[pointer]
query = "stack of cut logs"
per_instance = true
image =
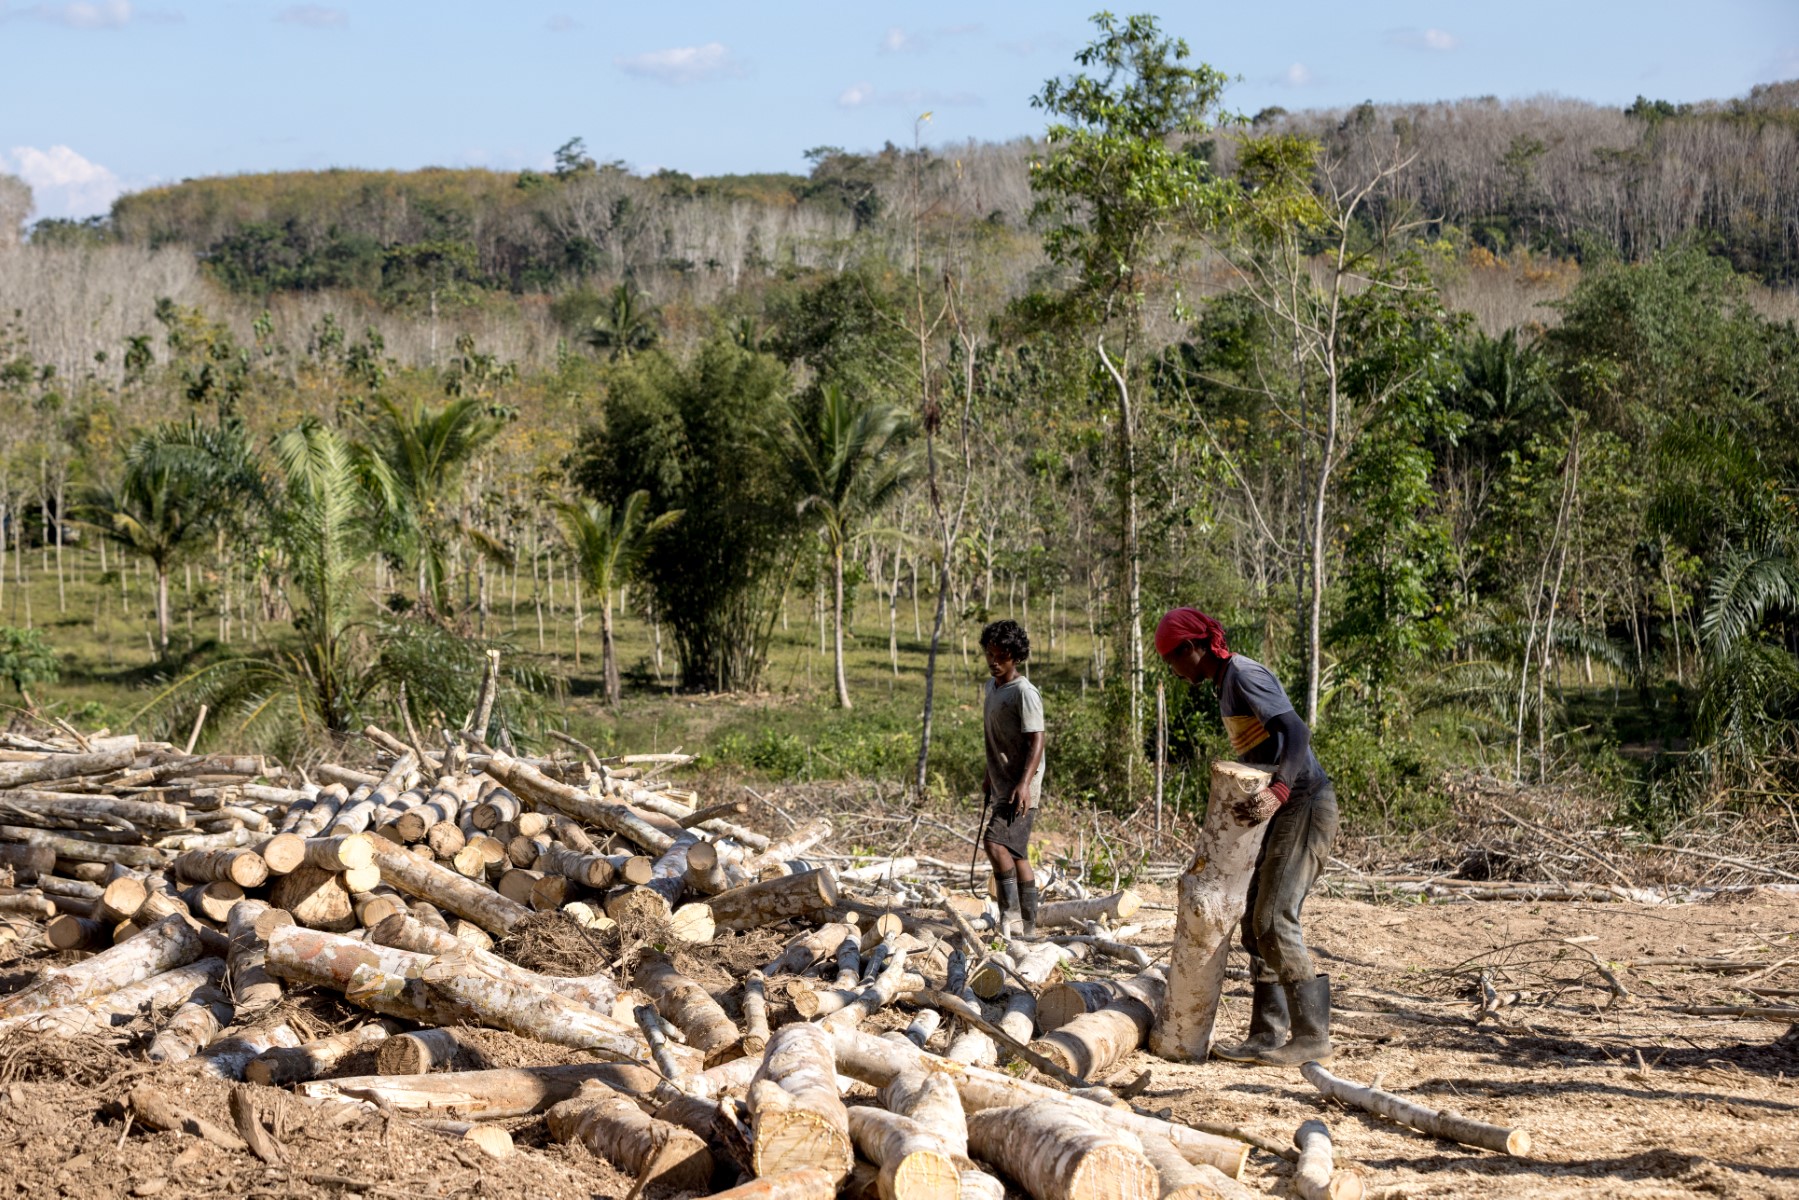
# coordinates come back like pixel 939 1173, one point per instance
pixel 205 887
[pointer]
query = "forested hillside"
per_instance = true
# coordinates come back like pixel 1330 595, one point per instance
pixel 1473 419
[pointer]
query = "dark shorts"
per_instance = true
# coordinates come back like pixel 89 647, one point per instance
pixel 1009 829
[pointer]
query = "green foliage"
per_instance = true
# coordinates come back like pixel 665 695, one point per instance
pixel 26 658
pixel 624 324
pixel 695 437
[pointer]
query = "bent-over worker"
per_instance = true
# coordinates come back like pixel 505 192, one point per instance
pixel 1289 1019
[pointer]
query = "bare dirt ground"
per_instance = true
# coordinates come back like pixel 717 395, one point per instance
pixel 1629 1099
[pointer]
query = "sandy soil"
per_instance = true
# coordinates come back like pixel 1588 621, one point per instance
pixel 1626 1099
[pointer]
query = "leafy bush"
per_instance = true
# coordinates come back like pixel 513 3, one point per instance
pixel 26 658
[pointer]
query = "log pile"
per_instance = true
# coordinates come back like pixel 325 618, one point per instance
pixel 201 891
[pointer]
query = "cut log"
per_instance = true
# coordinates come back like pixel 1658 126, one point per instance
pixel 650 831
pixel 810 948
pixel 212 901
pixel 245 868
pixel 65 766
pixel 248 926
pixel 874 1060
pixel 1056 1154
pixel 123 1007
pixel 1060 1003
pixel 1119 906
pixel 282 1065
pixel 656 897
pixel 171 942
pixel 757 904
pixel 1093 1043
pixel 796 1119
pixel 342 852
pixel 400 931
pixel 1437 1123
pixel 420 1051
pixel 195 1024
pixel 1034 966
pixel 655 1154
pixel 80 850
pixel 227 1057
pixel 973 1048
pixel 447 890
pixel 705 873
pixel 27 862
pixel 915 1164
pixel 65 932
pixel 929 1098
pixel 1211 895
pixel 378 978
pixel 532 1011
pixel 143 814
pixel 1314 1176
pixel 803 1183
pixel 755 1014
pixel 1020 1018
pixel 690 1008
pixel 1178 1179
pixel 316 898
pixel 924 1024
pixel 590 870
pixel 790 847
pixel 482 1095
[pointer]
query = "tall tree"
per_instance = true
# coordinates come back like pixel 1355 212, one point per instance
pixel 626 325
pixel 847 458
pixel 1122 173
pixel 181 482
pixel 426 451
pixel 608 547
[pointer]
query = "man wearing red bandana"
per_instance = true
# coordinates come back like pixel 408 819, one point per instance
pixel 1289 1020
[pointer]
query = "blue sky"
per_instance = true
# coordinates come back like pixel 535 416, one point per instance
pixel 102 95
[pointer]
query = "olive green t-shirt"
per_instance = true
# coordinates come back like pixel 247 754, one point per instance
pixel 1010 713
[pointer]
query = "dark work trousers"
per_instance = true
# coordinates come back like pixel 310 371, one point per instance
pixel 1295 847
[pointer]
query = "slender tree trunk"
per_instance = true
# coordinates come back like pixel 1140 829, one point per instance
pixel 609 653
pixel 843 687
pixel 162 608
pixel 62 602
pixel 578 619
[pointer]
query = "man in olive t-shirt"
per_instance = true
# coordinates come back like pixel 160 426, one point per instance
pixel 1012 722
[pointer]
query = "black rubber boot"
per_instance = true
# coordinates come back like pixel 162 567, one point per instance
pixel 1027 907
pixel 1008 904
pixel 1310 1003
pixel 1268 1025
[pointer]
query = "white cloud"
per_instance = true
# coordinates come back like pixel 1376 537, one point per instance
pixel 1439 41
pixel 682 64
pixel 897 41
pixel 78 14
pixel 562 23
pixel 1297 75
pixel 64 183
pixel 313 16
pixel 860 95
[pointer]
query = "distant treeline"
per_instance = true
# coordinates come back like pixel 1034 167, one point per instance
pixel 1549 175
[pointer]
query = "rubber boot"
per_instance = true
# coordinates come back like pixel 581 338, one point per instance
pixel 1008 905
pixel 1027 908
pixel 1268 1025
pixel 1310 1003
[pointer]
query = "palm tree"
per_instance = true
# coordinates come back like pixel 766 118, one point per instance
pixel 425 450
pixel 181 482
pixel 626 325
pixel 848 460
pixel 608 548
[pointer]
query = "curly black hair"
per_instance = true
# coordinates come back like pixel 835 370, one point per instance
pixel 1010 637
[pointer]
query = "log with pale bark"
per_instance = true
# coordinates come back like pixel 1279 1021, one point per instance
pixel 1055 1153
pixel 796 1119
pixel 447 889
pixel 1092 1043
pixel 654 1153
pixel 651 831
pixel 488 1095
pixel 757 904
pixel 803 1183
pixel 1211 894
pixel 1119 906
pixel 281 1065
pixel 875 1060
pixel 171 942
pixel 116 1009
pixel 690 1008
pixel 248 926
pixel 914 1163
pixel 1441 1123
pixel 378 978
pixel 403 932
pixel 1314 1175
pixel 1178 1179
pixel 810 948
pixel 195 1024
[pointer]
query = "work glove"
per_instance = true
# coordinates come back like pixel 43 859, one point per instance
pixel 1253 810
